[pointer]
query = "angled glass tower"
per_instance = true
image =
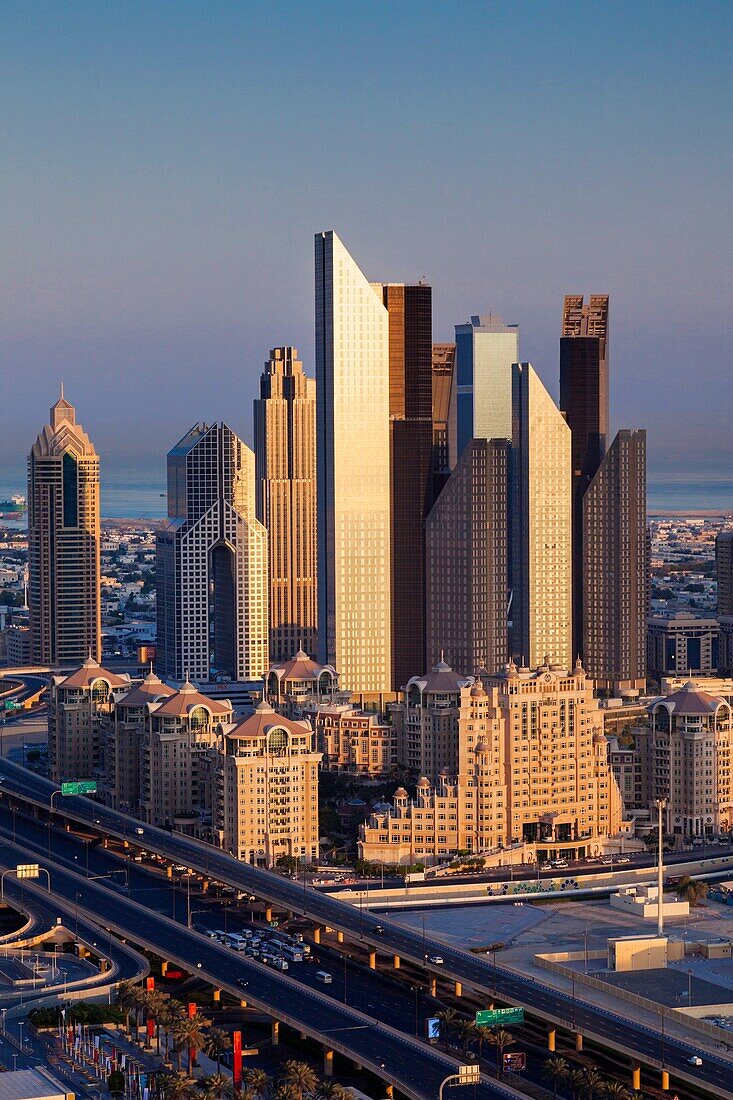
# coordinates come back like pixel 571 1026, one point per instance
pixel 485 351
pixel 353 459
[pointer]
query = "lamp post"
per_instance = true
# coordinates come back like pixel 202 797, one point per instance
pixel 661 804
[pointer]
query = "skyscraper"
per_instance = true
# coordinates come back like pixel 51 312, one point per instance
pixel 724 570
pixel 409 311
pixel 444 413
pixel 584 401
pixel 486 348
pixel 467 584
pixel 353 459
pixel 211 562
pixel 63 542
pixel 541 524
pixel 285 469
pixel 615 566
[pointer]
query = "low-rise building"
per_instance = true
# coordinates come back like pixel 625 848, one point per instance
pixel 353 741
pixel 682 642
pixel 262 787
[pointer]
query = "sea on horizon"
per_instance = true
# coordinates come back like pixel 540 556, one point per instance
pixel 147 500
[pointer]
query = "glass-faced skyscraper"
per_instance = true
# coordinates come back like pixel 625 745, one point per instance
pixel 486 348
pixel 63 542
pixel 584 400
pixel 211 562
pixel 541 524
pixel 353 459
pixel 285 469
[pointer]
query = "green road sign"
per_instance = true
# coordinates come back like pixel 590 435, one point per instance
pixel 492 1016
pixel 82 786
pixel 10 704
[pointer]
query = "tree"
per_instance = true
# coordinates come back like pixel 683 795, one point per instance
pixel 593 1084
pixel 467 1033
pixel 448 1019
pixel 156 1006
pixel 614 1090
pixel 216 1043
pixel 173 1012
pixel 116 1083
pixel 176 1086
pixel 287 863
pixel 483 1035
pixel 692 890
pixel 576 1081
pixel 126 999
pixel 331 1090
pixel 302 1077
pixel 501 1039
pixel 256 1083
pixel 216 1087
pixel 556 1070
pixel 189 1033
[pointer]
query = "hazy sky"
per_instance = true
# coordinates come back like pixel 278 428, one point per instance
pixel 166 165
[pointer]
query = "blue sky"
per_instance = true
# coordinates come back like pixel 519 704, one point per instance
pixel 166 166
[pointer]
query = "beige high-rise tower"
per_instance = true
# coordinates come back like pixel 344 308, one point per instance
pixel 63 542
pixel 352 395
pixel 285 471
pixel 541 524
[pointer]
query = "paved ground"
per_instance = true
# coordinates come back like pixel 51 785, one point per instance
pixel 668 987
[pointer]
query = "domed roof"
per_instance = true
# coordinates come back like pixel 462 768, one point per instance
pixel 262 720
pixel 400 793
pixel 477 691
pixel 480 747
pixel 441 681
pixel 151 688
pixel 188 698
pixel 690 701
pixel 88 673
pixel 300 667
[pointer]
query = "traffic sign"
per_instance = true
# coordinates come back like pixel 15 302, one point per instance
pixel 515 1061
pixel 27 870
pixel 492 1016
pixel 10 704
pixel 469 1073
pixel 81 786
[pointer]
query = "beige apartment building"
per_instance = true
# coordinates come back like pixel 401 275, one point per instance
pixel 427 721
pixel 124 728
pixel 353 741
pixel 261 779
pixel 533 769
pixel 79 705
pixel 292 686
pixel 285 472
pixel 63 542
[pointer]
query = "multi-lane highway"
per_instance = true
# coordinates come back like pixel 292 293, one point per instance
pixel 611 1030
pixel 397 1058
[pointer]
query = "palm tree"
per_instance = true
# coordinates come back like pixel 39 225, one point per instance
pixel 189 1032
pixel 216 1087
pixel 615 1090
pixel 556 1070
pixel 576 1081
pixel 593 1085
pixel 501 1039
pixel 176 1086
pixel 466 1032
pixel 126 999
pixel 483 1035
pixel 302 1077
pixel 156 1005
pixel 448 1019
pixel 331 1090
pixel 173 1012
pixel 216 1042
pixel 256 1083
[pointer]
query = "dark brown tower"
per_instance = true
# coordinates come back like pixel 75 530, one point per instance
pixel 584 401
pixel 411 447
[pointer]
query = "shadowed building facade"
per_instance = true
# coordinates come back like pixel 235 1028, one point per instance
pixel 467 582
pixel 444 414
pixel 616 567
pixel 63 542
pixel 584 397
pixel 354 476
pixel 285 470
pixel 211 562
pixel 409 309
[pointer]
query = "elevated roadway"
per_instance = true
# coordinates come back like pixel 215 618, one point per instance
pixel 642 1045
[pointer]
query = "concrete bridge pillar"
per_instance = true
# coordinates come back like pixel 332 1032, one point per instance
pixel 389 1091
pixel 268 913
pixel 458 989
pixel 242 1003
pixel 551 1038
pixel 169 870
pixel 665 1080
pixel 316 934
pixel 339 937
pixel 396 961
pixel 328 1063
pixel 636 1076
pixel 217 996
pixel 578 1041
pixel 275 1032
pixel 372 960
pixel 433 986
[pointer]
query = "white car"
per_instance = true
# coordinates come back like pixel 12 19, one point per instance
pixel 436 960
pixel 140 832
pixel 694 1060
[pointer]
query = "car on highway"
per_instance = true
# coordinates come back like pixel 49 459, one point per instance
pixel 436 960
pixel 623 859
pixel 379 930
pixel 139 831
pixel 607 860
pixel 694 1060
pixel 324 976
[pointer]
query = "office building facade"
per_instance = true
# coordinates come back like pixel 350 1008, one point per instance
pixel 616 567
pixel 63 543
pixel 354 478
pixel 444 415
pixel 467 578
pixel 541 524
pixel 211 562
pixel 285 471
pixel 486 348
pixel 682 643
pixel 724 570
pixel 409 310
pixel 584 399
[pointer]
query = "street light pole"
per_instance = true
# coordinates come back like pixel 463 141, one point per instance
pixel 661 804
